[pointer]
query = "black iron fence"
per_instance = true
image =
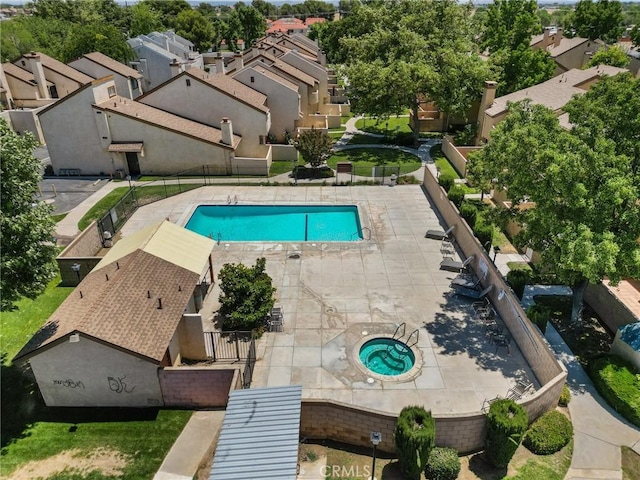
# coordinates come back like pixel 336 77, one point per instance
pixel 228 346
pixel 247 374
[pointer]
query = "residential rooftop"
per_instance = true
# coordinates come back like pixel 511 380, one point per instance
pixel 113 65
pixel 59 67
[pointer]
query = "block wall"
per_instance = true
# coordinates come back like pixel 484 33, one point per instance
pixel 197 387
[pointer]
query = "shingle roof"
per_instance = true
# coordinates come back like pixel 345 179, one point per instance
pixel 59 67
pixel 232 87
pixel 118 312
pixel 19 73
pixel 566 44
pixel 556 92
pixel 113 65
pixel 162 119
pixel 294 72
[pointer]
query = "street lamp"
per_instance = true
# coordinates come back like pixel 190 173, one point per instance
pixel 376 438
pixel 76 268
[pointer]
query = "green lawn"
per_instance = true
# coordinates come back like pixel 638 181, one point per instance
pixel 445 167
pixel 358 139
pixel 30 431
pixel 387 126
pixel 364 159
pixel 144 195
pixel 280 167
pixel 58 217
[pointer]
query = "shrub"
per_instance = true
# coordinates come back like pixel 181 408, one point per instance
pixel 48 170
pixel 518 279
pixel 446 180
pixel 539 315
pixel 246 295
pixel 415 438
pixel 565 396
pixel 506 423
pixel 619 384
pixel 548 434
pixel 469 212
pixel 456 195
pixel 443 464
pixel 484 233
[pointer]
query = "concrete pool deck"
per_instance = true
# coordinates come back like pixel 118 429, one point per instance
pixel 333 292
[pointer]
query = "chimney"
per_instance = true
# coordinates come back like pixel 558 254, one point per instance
pixel 238 61
pixel 488 96
pixel 558 37
pixel 219 61
pixel 545 38
pixel 227 131
pixel 38 72
pixel 175 67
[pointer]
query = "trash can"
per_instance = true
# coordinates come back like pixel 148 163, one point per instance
pixel 393 179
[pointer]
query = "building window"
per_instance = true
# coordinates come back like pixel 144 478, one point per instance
pixel 188 82
pixel 134 84
pixel 253 79
pixel 23 64
pixel 111 91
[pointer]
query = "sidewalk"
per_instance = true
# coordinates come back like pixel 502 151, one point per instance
pixel 599 432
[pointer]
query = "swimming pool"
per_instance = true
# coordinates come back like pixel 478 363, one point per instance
pixel 282 223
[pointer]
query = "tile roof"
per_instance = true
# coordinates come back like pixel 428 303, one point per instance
pixel 19 73
pixel 162 119
pixel 556 92
pixel 64 70
pixel 232 87
pixel 118 312
pixel 113 65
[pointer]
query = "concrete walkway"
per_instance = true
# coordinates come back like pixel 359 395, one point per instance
pixel 599 432
pixel 191 446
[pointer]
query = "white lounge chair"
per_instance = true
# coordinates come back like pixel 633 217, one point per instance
pixel 439 234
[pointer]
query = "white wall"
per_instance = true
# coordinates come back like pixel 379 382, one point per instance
pixel 283 102
pixel 157 68
pixel 316 71
pixel 123 83
pixel 203 103
pixel 72 135
pixel 90 374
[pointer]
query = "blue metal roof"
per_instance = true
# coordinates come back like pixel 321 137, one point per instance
pixel 259 435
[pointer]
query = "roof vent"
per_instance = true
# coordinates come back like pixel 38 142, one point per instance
pixel 74 338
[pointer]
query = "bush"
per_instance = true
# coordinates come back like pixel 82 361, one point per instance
pixel 443 464
pixel 484 233
pixel 246 295
pixel 619 384
pixel 518 279
pixel 565 396
pixel 469 212
pixel 506 423
pixel 539 315
pixel 48 170
pixel 446 180
pixel 415 438
pixel 456 195
pixel 548 434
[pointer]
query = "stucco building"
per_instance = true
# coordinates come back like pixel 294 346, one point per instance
pixel 567 53
pixel 97 65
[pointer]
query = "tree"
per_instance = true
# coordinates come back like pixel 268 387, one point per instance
pixel 96 37
pixel 15 40
pixel 26 228
pixel 253 24
pixel 600 20
pixel 315 146
pixel 584 183
pixel 246 296
pixel 193 26
pixel 232 30
pixel 269 10
pixel 635 35
pixel 143 20
pixel 521 67
pixel 168 9
pixel 612 55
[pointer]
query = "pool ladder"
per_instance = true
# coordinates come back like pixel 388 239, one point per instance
pixel 412 339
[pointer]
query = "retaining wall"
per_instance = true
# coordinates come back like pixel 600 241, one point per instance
pixel 611 310
pixel 82 250
pixel 197 387
pixel 457 155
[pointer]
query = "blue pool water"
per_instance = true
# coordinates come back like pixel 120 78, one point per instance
pixel 387 356
pixel 281 223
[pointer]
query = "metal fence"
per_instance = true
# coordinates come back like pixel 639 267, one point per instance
pixel 228 346
pixel 109 224
pixel 247 375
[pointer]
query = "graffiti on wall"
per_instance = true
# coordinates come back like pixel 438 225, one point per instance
pixel 118 385
pixel 68 383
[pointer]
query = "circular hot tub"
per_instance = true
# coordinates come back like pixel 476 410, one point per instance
pixel 387 356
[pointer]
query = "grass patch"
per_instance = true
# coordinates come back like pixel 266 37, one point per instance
pixel 58 217
pixel 144 195
pixel 281 166
pixel 382 127
pixel 630 464
pixel 619 384
pixel 359 139
pixel 443 165
pixel 364 159
pixel 30 431
pixel 519 266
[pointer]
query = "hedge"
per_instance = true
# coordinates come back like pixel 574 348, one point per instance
pixel 446 180
pixel 619 384
pixel 415 438
pixel 548 434
pixel 456 195
pixel 539 315
pixel 506 423
pixel 443 464
pixel 565 396
pixel 469 212
pixel 518 279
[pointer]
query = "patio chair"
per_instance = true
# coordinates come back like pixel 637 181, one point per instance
pixel 470 293
pixel 452 265
pixel 276 320
pixel 439 234
pixel 521 389
pixel 467 280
